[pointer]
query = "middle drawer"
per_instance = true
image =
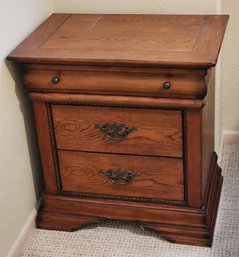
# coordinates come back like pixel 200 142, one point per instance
pixel 118 130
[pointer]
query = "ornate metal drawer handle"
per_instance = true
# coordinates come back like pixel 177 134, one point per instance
pixel 119 177
pixel 115 131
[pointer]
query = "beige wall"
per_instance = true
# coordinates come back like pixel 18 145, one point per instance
pixel 18 156
pixel 136 6
pixel 230 68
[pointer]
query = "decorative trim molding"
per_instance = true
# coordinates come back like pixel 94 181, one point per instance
pixel 25 233
pixel 113 105
pixel 121 198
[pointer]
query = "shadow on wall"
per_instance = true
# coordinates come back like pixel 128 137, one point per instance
pixel 26 108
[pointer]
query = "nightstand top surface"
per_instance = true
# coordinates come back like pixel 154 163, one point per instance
pixel 125 40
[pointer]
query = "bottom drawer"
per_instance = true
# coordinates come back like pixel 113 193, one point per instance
pixel 122 175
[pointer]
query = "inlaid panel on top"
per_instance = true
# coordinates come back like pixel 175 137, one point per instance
pixel 132 40
pixel 125 33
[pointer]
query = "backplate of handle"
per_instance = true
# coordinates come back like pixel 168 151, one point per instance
pixel 115 131
pixel 119 177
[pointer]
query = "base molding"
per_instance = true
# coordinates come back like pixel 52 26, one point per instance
pixel 182 234
pixel 177 224
pixel 187 233
pixel 59 221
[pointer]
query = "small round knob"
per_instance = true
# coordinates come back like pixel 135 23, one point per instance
pixel 166 85
pixel 55 80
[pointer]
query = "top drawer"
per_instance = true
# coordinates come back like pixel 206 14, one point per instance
pixel 140 82
pixel 118 130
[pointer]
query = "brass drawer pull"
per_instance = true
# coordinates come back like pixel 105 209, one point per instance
pixel 119 177
pixel 115 131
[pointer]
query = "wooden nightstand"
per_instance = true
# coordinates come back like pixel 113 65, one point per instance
pixel 124 108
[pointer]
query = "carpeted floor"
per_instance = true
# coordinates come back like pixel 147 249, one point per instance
pixel 126 239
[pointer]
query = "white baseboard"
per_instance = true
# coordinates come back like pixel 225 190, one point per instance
pixel 25 233
pixel 228 138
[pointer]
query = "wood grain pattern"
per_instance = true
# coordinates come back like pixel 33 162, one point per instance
pixel 44 139
pixel 208 129
pixel 117 101
pixel 184 225
pixel 158 178
pixel 194 157
pixel 61 222
pixel 125 33
pixel 128 40
pixel 111 69
pixel 156 132
pixel 122 81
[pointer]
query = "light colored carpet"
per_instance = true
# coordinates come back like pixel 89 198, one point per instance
pixel 126 239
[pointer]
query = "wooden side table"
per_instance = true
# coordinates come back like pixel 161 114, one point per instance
pixel 124 109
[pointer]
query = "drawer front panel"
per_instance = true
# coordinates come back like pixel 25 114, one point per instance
pixel 118 130
pixel 183 84
pixel 122 175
